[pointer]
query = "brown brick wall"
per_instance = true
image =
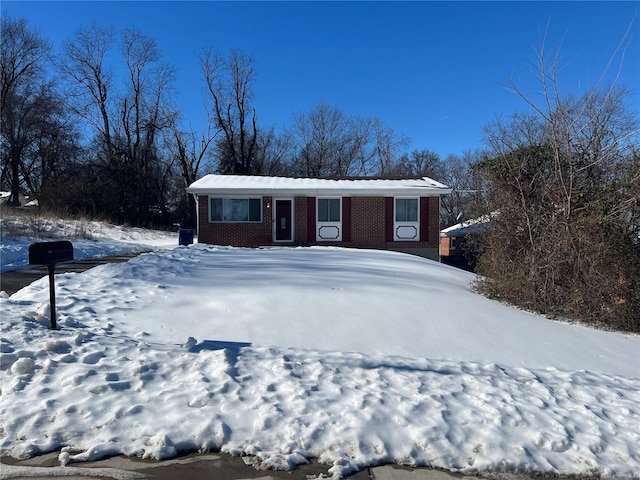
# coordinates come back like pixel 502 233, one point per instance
pixel 235 234
pixel 300 211
pixel 367 226
pixel 445 243
pixel 367 222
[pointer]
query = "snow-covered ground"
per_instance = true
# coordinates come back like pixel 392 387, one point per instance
pixel 90 239
pixel 354 357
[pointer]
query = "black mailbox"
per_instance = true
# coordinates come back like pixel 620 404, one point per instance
pixel 46 253
pixel 50 253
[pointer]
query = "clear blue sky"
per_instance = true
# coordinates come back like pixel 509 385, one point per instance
pixel 435 71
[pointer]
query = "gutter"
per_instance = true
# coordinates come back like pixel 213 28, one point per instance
pixel 325 192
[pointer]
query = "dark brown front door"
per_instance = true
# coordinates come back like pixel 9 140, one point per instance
pixel 283 221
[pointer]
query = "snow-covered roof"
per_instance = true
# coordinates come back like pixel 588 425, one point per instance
pixel 467 227
pixel 259 185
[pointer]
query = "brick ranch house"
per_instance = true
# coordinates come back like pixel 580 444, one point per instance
pixel 254 211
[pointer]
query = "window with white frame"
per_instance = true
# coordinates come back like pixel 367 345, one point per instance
pixel 406 225
pixel 329 210
pixel 238 210
pixel 329 219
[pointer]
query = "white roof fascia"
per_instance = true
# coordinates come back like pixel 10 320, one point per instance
pixel 315 187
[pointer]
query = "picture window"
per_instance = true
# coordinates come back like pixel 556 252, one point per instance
pixel 235 209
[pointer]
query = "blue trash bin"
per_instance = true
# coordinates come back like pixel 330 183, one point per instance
pixel 185 237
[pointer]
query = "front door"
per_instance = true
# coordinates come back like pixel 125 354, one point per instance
pixel 283 221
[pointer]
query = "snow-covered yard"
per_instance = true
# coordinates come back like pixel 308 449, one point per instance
pixel 354 357
pixel 91 239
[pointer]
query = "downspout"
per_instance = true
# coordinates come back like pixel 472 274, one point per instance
pixel 195 197
pixel 439 233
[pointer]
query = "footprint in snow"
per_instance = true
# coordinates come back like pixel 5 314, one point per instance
pixel 93 358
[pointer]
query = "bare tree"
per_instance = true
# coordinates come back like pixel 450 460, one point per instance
pixel 229 80
pixel 564 181
pixel 388 144
pixel 419 163
pixel 191 151
pixel 319 135
pixel 128 124
pixel 90 81
pixel 28 103
pixel 467 198
pixel 146 113
pixel 329 142
pixel 274 153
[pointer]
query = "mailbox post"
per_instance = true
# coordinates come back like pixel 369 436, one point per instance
pixel 50 253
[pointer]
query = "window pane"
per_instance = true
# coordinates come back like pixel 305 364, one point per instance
pixel 401 209
pixel 334 210
pixel 412 210
pixel 329 210
pixel 255 209
pixel 236 209
pixel 216 209
pixel 406 209
pixel 323 210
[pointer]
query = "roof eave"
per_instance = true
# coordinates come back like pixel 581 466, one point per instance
pixel 324 192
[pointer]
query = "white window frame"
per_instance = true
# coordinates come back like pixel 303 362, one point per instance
pixel 234 197
pixel 328 231
pixel 403 230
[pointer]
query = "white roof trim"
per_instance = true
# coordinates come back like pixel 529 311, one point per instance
pixel 314 187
